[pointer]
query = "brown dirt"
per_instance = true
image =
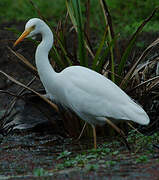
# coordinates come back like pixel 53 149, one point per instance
pixel 10 64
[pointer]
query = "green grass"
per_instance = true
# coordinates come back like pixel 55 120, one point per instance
pixel 40 172
pixel 142 159
pixel 110 154
pixel 126 15
pixel 23 10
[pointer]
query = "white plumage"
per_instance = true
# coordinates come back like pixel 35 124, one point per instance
pixel 90 95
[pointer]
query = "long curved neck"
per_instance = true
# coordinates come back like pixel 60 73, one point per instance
pixel 42 51
pixel 45 70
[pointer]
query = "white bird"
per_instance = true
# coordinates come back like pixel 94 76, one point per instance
pixel 93 97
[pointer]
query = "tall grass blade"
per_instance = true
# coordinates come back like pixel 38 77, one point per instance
pixel 108 21
pixel 99 66
pixel 64 52
pixel 57 58
pixel 132 42
pixel 71 13
pixel 99 50
pixel 74 22
pixel 112 65
pixel 87 23
pixel 74 10
pixel 107 17
pixel 80 29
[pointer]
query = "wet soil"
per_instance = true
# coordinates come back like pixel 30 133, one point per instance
pixel 27 149
pixel 23 155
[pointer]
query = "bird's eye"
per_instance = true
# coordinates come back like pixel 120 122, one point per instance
pixel 33 27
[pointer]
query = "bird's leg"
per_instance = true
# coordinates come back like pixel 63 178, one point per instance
pixel 94 137
pixel 115 127
pixel 81 132
pixel 122 134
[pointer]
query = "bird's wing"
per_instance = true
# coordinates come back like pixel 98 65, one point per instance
pixel 89 93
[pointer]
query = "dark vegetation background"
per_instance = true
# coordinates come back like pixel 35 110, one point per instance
pixel 126 15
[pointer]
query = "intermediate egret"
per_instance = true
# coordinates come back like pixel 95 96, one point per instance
pixel 93 97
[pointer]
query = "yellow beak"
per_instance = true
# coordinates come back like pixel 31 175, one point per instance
pixel 24 34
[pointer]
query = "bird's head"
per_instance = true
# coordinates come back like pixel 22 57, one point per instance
pixel 32 28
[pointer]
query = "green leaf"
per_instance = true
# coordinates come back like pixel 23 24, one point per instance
pixel 74 10
pixel 56 57
pixel 99 66
pixel 99 50
pixel 71 14
pixel 64 51
pixel 108 20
